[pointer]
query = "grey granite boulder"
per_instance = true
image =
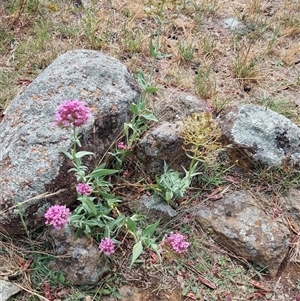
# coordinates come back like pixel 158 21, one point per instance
pixel 238 223
pixel 31 164
pixel 261 135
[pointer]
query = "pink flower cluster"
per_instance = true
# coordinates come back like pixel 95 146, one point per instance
pixel 122 145
pixel 72 113
pixel 84 189
pixel 57 216
pixel 107 246
pixel 175 241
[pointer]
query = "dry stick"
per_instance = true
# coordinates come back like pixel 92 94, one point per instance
pixel 38 197
pixel 31 292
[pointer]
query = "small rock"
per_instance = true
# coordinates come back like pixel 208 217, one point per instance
pixel 231 23
pixel 237 222
pixel 173 105
pixel 82 263
pixel 291 205
pixel 152 207
pixel 261 135
pixel 127 293
pixel 162 144
pixel 7 289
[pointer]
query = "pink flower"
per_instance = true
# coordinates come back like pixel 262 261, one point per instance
pixel 84 189
pixel 107 246
pixel 57 216
pixel 72 113
pixel 177 242
pixel 209 108
pixel 122 145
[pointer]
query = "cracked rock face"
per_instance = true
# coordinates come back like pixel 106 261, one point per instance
pixel 31 163
pixel 266 136
pixel 238 223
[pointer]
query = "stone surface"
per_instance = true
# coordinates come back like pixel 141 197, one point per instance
pixel 7 289
pixel 153 207
pixel 30 159
pixel 133 293
pixel 235 25
pixel 261 135
pixel 162 144
pixel 237 222
pixel 173 105
pixel 127 293
pixel 78 258
pixel 291 205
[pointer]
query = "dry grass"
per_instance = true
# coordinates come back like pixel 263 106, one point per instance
pixel 258 62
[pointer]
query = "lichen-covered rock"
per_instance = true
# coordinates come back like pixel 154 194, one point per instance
pixel 260 135
pixel 78 258
pixel 237 222
pixel 31 163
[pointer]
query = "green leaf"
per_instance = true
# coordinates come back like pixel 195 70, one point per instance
pixel 149 230
pixel 117 222
pixel 62 278
pixel 161 55
pixel 131 225
pixel 136 252
pixel 141 105
pixel 141 79
pixel 100 172
pixel 67 154
pixel 152 49
pixel 169 195
pixel 105 292
pixel 126 129
pixel 133 108
pixel 78 232
pixel 77 141
pixel 89 205
pixel 87 230
pixel 151 89
pixel 185 291
pixel 81 154
pixel 150 116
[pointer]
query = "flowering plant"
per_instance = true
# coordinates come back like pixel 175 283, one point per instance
pixel 96 202
pixel 107 246
pixel 93 191
pixel 83 188
pixel 141 116
pixel 175 242
pixel 57 216
pixel 72 113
